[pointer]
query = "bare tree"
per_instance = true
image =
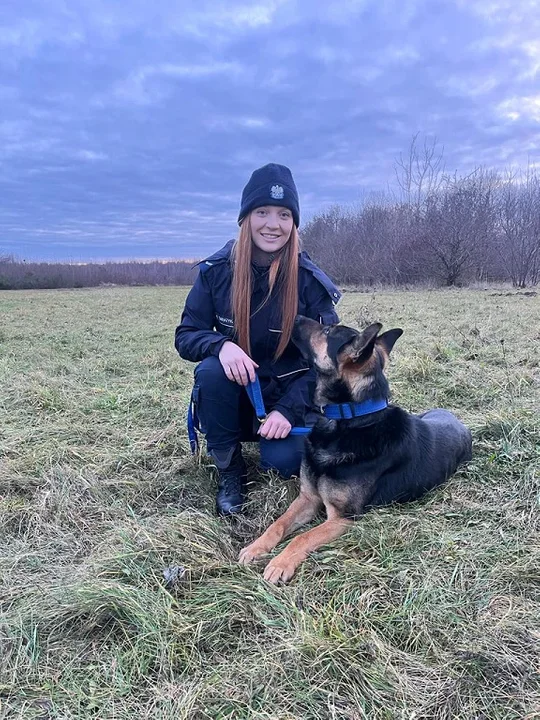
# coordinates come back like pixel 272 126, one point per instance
pixel 459 224
pixel 421 173
pixel 519 220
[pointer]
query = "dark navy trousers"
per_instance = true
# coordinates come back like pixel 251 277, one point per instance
pixel 226 418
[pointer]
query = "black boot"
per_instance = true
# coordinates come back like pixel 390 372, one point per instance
pixel 232 476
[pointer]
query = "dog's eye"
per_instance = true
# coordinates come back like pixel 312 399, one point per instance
pixel 326 330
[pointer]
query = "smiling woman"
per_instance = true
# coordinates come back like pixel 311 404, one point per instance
pixel 238 321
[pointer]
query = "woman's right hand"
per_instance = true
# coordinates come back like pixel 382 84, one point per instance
pixel 238 366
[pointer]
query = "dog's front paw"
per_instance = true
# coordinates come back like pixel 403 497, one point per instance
pixel 281 568
pixel 252 552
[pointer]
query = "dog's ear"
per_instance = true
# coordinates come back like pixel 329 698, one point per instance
pixel 366 342
pixel 388 339
pixel 338 340
pixel 362 343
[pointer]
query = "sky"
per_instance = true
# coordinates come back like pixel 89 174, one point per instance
pixel 128 129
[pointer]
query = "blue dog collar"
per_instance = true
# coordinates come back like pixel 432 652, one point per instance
pixel 347 411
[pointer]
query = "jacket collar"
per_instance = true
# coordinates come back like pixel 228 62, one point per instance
pixel 220 256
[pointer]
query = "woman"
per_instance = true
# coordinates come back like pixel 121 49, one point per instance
pixel 237 322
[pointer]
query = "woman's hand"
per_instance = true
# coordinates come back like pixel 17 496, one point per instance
pixel 238 366
pixel 275 427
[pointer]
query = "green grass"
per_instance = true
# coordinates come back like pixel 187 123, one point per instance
pixel 430 610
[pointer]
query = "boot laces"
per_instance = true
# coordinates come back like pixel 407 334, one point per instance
pixel 232 479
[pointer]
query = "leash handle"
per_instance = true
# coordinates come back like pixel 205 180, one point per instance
pixel 254 392
pixel 255 395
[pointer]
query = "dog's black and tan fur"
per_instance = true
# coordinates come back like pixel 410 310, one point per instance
pixel 352 465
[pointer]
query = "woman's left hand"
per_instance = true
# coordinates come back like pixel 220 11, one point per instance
pixel 275 427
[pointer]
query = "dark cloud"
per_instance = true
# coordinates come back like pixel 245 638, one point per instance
pixel 131 133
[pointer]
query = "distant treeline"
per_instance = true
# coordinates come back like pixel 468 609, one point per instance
pixel 16 275
pixel 439 228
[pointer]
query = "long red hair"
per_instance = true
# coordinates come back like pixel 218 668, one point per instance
pixel 282 278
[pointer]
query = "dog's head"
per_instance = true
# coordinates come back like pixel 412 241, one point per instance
pixel 349 363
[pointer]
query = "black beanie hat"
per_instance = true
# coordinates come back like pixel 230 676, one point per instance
pixel 270 185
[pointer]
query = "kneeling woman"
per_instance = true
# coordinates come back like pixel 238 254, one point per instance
pixel 238 321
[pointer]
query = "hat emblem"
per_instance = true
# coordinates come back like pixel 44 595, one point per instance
pixel 276 192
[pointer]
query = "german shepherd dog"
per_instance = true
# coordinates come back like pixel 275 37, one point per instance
pixel 351 465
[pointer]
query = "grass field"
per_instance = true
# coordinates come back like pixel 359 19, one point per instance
pixel 430 610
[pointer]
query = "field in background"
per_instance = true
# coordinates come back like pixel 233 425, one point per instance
pixel 430 610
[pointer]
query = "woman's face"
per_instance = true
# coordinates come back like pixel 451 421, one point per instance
pixel 271 227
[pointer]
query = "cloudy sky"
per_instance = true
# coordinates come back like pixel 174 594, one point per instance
pixel 128 129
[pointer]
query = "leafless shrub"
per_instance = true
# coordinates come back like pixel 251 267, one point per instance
pixel 442 229
pixel 518 214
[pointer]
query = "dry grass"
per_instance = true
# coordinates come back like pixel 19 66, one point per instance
pixel 430 610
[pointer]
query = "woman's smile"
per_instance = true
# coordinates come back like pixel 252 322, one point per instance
pixel 271 227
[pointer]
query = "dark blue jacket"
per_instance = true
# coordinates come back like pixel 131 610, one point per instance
pixel 207 323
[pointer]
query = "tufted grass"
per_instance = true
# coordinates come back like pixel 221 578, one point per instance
pixel 426 611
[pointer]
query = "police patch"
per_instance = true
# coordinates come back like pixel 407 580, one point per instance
pixel 277 192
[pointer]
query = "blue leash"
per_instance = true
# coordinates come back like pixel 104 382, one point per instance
pixel 255 395
pixel 341 411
